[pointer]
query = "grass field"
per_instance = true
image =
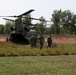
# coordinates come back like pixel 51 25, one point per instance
pixel 62 45
pixel 24 60
pixel 10 49
pixel 38 65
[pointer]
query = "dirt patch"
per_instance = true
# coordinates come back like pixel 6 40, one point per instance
pixel 64 39
pixel 56 39
pixel 3 38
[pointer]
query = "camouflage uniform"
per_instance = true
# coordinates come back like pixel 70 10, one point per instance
pixel 35 40
pixel 49 41
pixel 41 38
pixel 32 41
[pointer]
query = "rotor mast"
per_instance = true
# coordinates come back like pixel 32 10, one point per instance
pixel 18 22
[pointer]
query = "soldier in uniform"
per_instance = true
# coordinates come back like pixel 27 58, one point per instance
pixel 49 41
pixel 35 41
pixel 41 40
pixel 32 41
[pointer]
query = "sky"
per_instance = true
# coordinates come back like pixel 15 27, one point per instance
pixel 43 8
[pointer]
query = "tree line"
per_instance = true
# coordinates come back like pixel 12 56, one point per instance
pixel 62 23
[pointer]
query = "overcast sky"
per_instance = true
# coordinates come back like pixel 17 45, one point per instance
pixel 43 8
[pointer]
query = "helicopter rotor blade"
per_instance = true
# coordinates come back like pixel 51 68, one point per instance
pixel 37 19
pixel 9 19
pixel 21 14
pixel 26 13
pixel 40 20
pixel 6 16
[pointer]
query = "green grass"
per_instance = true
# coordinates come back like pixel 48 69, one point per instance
pixel 33 61
pixel 10 49
pixel 38 65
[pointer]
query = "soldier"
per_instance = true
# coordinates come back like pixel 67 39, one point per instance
pixel 35 41
pixel 49 41
pixel 32 41
pixel 41 39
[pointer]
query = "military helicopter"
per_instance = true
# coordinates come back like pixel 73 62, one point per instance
pixel 20 34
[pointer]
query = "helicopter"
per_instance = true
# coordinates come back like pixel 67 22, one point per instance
pixel 20 34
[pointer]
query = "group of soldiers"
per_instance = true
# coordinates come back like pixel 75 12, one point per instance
pixel 34 39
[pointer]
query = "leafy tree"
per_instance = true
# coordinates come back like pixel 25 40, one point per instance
pixel 64 22
pixel 7 27
pixel 27 20
pixel 56 20
pixel 52 28
pixel 1 29
pixel 40 27
pixel 73 25
pixel 68 22
pixel 66 17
